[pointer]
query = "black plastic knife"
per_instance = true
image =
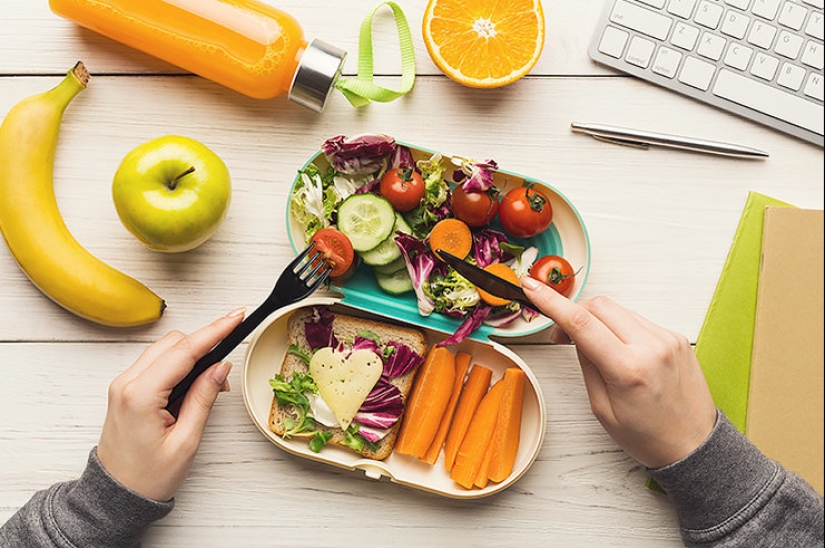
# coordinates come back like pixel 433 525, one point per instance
pixel 484 280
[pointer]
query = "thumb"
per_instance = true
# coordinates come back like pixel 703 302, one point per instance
pixel 198 402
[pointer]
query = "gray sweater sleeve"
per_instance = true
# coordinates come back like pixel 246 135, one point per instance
pixel 727 493
pixel 90 512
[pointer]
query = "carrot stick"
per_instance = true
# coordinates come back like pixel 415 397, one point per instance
pixel 462 364
pixel 476 443
pixel 428 400
pixel 472 393
pixel 453 236
pixel 483 476
pixel 504 444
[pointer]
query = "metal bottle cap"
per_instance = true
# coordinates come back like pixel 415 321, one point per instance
pixel 320 67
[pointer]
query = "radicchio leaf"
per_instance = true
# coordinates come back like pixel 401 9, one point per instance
pixel 402 360
pixel 420 262
pixel 365 343
pixel 402 158
pixel 318 329
pixel 479 175
pixel 486 247
pixel 359 155
pixel 383 406
pixel 472 322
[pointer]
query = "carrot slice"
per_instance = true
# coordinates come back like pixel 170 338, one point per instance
pixel 453 236
pixel 483 476
pixel 476 443
pixel 462 364
pixel 504 444
pixel 502 271
pixel 477 384
pixel 427 402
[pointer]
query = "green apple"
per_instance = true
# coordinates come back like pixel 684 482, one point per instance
pixel 172 193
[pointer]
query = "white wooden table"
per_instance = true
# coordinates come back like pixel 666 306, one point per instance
pixel 660 225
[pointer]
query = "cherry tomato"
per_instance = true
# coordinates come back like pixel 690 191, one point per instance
pixel 556 272
pixel 476 208
pixel 525 212
pixel 336 250
pixel 403 187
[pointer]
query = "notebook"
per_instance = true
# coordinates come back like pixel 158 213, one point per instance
pixel 785 402
pixel 726 338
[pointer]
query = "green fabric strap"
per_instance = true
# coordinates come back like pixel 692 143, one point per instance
pixel 362 90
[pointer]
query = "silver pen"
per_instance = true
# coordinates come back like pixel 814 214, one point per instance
pixel 643 139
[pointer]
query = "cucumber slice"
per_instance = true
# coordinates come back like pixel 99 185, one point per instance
pixel 387 251
pixel 367 220
pixel 389 268
pixel 396 283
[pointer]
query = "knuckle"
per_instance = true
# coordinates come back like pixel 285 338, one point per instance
pixel 599 302
pixel 185 346
pixel 579 320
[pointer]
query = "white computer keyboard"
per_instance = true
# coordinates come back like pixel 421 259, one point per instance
pixel 761 59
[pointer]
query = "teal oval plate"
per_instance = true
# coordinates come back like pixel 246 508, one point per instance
pixel 567 237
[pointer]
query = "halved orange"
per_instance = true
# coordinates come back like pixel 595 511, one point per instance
pixel 484 43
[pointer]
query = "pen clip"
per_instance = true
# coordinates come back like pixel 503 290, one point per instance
pixel 619 141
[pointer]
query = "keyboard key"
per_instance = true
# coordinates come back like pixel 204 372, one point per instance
pixel 766 8
pixel 613 42
pixel 738 56
pixel 741 4
pixel 658 4
pixel 667 62
pixel 735 24
pixel 815 25
pixel 708 14
pixel 812 55
pixel 697 73
pixel 791 76
pixel 788 44
pixel 764 66
pixel 681 8
pixel 711 46
pixel 640 51
pixel 771 101
pixel 640 19
pixel 814 88
pixel 684 36
pixel 792 15
pixel 762 35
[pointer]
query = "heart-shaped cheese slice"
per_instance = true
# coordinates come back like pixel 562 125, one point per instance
pixel 345 381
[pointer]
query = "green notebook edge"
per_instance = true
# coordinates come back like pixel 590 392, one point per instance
pixel 724 346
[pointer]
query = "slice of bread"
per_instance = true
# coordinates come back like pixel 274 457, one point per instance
pixel 345 327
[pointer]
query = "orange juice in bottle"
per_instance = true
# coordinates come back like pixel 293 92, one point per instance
pixel 246 45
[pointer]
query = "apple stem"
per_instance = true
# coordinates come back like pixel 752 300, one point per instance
pixel 174 182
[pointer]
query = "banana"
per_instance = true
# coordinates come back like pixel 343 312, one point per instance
pixel 35 232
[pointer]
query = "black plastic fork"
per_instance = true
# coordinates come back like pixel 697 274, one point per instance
pixel 299 280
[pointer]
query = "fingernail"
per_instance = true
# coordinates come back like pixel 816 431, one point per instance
pixel 530 283
pixel 237 312
pixel 221 372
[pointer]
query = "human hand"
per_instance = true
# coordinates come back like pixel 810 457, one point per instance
pixel 142 445
pixel 644 382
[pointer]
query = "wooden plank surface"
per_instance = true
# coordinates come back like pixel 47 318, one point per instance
pixel 660 223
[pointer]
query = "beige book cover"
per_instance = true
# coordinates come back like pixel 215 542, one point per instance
pixel 785 401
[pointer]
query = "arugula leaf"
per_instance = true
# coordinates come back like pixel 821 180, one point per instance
pixel 296 350
pixel 292 393
pixel 319 440
pixel 356 441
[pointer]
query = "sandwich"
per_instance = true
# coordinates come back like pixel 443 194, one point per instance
pixel 345 381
